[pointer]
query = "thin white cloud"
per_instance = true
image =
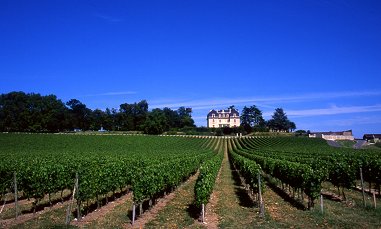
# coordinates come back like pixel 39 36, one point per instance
pixel 112 93
pixel 339 124
pixel 108 18
pixel 355 121
pixel 334 110
pixel 260 101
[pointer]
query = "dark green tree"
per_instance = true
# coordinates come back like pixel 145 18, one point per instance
pixel 98 119
pixel 185 115
pixel 252 119
pixel 132 116
pixel 280 121
pixel 172 117
pixel 32 113
pixel 14 111
pixel 111 122
pixel 80 115
pixel 156 122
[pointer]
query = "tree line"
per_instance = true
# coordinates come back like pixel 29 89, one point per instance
pixel 32 112
pixel 252 121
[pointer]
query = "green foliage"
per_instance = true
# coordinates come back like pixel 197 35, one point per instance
pixel 280 122
pixel 31 112
pixel 248 169
pixel 207 178
pixel 252 117
pixel 305 163
pixel 47 163
pixel 219 132
pixel 21 112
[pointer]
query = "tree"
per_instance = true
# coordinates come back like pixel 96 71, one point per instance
pixel 251 117
pixel 133 115
pixel 35 113
pixel 32 113
pixel 185 115
pixel 13 113
pixel 173 118
pixel 80 115
pixel 301 133
pixel 291 126
pixel 111 119
pixel 140 113
pixel 280 121
pixel 156 123
pixel 98 119
pixel 54 114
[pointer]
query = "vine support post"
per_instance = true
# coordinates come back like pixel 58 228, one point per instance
pixel 68 211
pixel 78 201
pixel 321 204
pixel 133 213
pixel 261 205
pixel 362 187
pixel 374 200
pixel 203 213
pixel 16 195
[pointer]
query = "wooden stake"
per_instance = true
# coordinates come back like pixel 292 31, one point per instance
pixel 133 214
pixel 2 208
pixel 261 205
pixel 203 213
pixel 362 187
pixel 68 211
pixel 78 201
pixel 321 204
pixel 16 196
pixel 374 200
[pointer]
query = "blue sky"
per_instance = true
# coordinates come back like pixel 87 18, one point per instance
pixel 319 60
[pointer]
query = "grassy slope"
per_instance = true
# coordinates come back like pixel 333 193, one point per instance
pixel 346 143
pixel 235 208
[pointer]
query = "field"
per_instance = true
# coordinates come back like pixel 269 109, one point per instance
pixel 119 181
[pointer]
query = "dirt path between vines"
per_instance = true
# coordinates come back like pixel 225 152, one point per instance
pixel 101 212
pixel 152 213
pixel 26 217
pixel 235 207
pixel 211 216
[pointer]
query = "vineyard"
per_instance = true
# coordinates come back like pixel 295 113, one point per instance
pixel 86 172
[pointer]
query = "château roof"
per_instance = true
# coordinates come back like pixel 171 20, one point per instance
pixel 228 111
pixel 371 136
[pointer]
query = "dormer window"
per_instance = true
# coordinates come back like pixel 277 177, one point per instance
pixel 213 115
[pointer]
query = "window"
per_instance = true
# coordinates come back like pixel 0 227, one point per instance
pixel 213 115
pixel 234 120
pixel 220 120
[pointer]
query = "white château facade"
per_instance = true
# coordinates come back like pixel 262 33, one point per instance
pixel 223 118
